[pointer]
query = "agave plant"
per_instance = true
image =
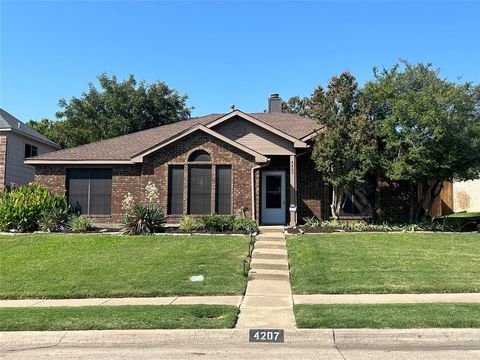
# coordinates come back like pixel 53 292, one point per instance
pixel 143 219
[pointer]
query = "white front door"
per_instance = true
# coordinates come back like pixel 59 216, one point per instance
pixel 273 197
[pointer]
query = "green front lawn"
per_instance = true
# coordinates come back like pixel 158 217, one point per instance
pixel 471 214
pixel 384 263
pixel 78 266
pixel 398 316
pixel 118 317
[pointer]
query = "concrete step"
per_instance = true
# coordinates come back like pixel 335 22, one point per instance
pixel 268 237
pixel 270 245
pixel 272 264
pixel 279 254
pixel 271 257
pixel 271 229
pixel 269 274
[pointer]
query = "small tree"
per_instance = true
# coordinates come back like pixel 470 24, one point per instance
pixel 429 129
pixel 345 151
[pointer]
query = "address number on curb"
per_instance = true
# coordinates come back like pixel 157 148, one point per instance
pixel 266 335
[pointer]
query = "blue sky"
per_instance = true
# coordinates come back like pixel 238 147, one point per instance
pixel 223 53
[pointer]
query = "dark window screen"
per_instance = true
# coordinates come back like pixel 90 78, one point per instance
pixel 200 190
pixel 223 190
pixel 273 192
pixel 90 190
pixel 175 190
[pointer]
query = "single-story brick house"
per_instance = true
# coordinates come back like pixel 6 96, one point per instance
pixel 257 164
pixel 17 142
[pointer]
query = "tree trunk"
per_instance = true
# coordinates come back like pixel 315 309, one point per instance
pixel 412 218
pixel 336 204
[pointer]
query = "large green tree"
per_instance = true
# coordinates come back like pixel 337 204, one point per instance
pixel 115 108
pixel 345 151
pixel 429 129
pixel 298 105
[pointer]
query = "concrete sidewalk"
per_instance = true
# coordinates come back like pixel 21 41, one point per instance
pixel 174 300
pixel 386 298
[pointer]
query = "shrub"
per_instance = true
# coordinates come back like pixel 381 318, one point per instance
pixel 189 223
pixel 56 220
pixel 143 219
pixel 245 224
pixel 81 223
pixel 361 225
pixel 23 208
pixel 218 222
pixel 311 222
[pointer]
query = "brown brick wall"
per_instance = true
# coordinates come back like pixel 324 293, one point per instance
pixel 3 159
pixel 313 194
pixel 155 169
pixel 51 177
pixel 312 197
pixel 134 178
pixel 125 179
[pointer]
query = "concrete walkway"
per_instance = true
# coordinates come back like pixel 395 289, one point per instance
pixel 268 301
pixel 386 298
pixel 174 300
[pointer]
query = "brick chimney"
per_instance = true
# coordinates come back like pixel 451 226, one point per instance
pixel 274 103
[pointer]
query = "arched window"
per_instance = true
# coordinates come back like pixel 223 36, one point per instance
pixel 200 155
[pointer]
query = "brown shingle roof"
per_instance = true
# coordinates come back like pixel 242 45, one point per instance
pixel 127 146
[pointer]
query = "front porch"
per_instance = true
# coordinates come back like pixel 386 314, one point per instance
pixel 277 191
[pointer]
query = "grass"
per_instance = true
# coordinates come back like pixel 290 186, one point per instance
pixel 385 263
pixel 397 316
pixel 118 317
pixel 470 214
pixel 79 266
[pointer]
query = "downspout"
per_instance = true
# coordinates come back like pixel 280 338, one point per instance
pixel 257 167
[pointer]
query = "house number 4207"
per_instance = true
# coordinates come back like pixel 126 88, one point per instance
pixel 266 335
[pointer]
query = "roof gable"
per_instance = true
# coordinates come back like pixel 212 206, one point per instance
pixel 258 157
pixel 8 122
pixel 296 142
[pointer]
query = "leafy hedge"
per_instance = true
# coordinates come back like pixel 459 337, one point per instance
pixel 218 223
pixel 27 207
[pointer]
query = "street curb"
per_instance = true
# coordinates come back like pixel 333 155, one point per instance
pixel 10 341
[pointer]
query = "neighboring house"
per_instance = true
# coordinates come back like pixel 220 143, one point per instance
pixel 254 164
pixel 466 195
pixel 17 142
